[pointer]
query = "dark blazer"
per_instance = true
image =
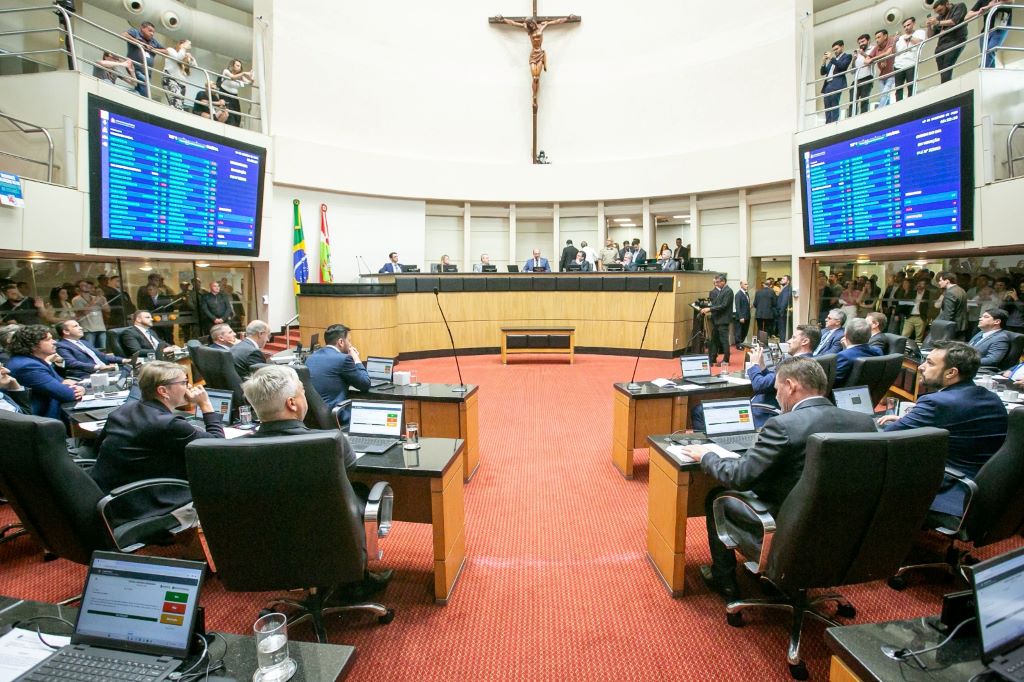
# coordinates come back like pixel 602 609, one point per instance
pixel 721 305
pixel 143 439
pixel 773 466
pixel 17 401
pixel 878 341
pixel 77 363
pixel 976 421
pixel 215 306
pixel 764 303
pixel 389 267
pixel 528 265
pixel 333 372
pixel 48 392
pixel 568 256
pixel 845 358
pixel 742 305
pixel 831 342
pixel 639 256
pixel 783 300
pixel 681 253
pixel 292 427
pixel 133 340
pixel 993 349
pixel 954 307
pixel 245 354
pixel 162 302
pixel 838 79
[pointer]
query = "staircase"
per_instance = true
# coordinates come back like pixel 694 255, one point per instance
pixel 279 342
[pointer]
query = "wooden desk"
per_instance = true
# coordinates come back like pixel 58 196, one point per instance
pixel 655 410
pixel 676 490
pixel 428 489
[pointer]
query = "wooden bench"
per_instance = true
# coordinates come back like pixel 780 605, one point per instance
pixel 537 340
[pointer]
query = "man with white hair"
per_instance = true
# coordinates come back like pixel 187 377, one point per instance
pixel 249 351
pixel 222 336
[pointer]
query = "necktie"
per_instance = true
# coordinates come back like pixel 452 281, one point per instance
pixel 152 338
pixel 976 340
pixel 824 342
pixel 536 263
pixel 88 351
pixel 8 404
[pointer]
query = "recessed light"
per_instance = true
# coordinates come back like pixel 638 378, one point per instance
pixel 622 220
pixel 145 268
pixel 202 265
pixel 680 217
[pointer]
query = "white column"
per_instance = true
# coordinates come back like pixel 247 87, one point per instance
pixel 556 234
pixel 695 226
pixel 602 226
pixel 512 233
pixel 744 245
pixel 647 234
pixel 468 259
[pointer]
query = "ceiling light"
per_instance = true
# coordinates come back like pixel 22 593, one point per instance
pixel 681 217
pixel 622 220
pixel 920 263
pixel 145 268
pixel 202 265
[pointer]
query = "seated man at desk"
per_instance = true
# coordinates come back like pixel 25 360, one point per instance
pixel 484 260
pixel 222 336
pixel 537 263
pixel 147 438
pixel 249 351
pixel 858 332
pixel 832 335
pixel 392 266
pixel 141 337
pixel 13 398
pixel 773 466
pixel 336 367
pixel 81 358
pixel 33 354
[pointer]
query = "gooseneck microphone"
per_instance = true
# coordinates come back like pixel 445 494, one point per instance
pixel 632 385
pixel 461 388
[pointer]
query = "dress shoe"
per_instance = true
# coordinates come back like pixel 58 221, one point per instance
pixel 376 581
pixel 372 583
pixel 728 588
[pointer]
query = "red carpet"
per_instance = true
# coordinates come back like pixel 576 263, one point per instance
pixel 556 583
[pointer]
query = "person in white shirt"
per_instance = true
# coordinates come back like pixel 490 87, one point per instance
pixel 908 51
pixel 231 80
pixel 90 307
pixel 177 67
pixel 591 253
pixel 484 260
pixel 863 75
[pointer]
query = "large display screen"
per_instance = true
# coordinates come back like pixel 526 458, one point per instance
pixel 908 179
pixel 157 184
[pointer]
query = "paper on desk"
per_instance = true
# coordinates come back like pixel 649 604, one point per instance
pixel 739 381
pixel 677 450
pixel 92 427
pixel 21 649
pixel 663 383
pixel 231 432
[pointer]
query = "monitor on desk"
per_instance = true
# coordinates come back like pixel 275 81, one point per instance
pixel 616 267
pixel 489 268
pixel 694 366
pixel 222 403
pixel 512 268
pixel 999 599
pixel 729 416
pixel 855 399
pixel 573 267
pixel 449 268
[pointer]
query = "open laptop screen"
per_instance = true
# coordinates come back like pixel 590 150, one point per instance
pixel 694 366
pixel 375 419
pixel 855 399
pixel 139 603
pixel 999 599
pixel 727 416
pixel 380 368
pixel 222 403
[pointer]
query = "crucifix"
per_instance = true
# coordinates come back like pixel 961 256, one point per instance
pixel 535 26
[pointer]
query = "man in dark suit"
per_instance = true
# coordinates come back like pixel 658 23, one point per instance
pixel 336 367
pixel 568 256
pixel 147 438
pixel 833 66
pixel 681 253
pixel 832 335
pixel 721 315
pixel 121 305
pixel 782 302
pixel 13 398
pixel 537 263
pixel 81 358
pixel 392 266
pixel 742 314
pixel 639 255
pixel 952 305
pixel 764 308
pixel 249 351
pixel 33 352
pixel 858 331
pixel 140 337
pixel 773 466
pixel 877 322
pixel 973 415
pixel 992 343
pixel 214 307
pixel 222 337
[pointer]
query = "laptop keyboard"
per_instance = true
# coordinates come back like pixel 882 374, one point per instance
pixel 740 441
pixel 361 443
pixel 80 666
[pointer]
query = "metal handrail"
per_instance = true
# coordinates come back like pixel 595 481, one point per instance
pixel 1010 158
pixel 28 129
pixel 288 328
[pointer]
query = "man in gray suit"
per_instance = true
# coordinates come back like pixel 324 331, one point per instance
pixel 721 315
pixel 953 303
pixel 992 343
pixel 773 466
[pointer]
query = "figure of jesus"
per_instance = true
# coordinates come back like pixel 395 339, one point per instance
pixel 538 58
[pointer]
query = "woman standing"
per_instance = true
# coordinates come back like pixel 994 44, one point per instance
pixel 59 307
pixel 849 299
pixel 232 78
pixel 177 67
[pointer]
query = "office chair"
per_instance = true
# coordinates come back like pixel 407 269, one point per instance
pixel 850 519
pixel 993 506
pixel 828 364
pixel 1016 350
pixel 218 369
pixel 318 416
pixel 314 341
pixel 894 343
pixel 114 337
pixel 316 536
pixel 940 330
pixel 878 374
pixel 60 505
pixel 191 346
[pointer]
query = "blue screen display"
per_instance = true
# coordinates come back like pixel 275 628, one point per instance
pixel 163 186
pixel 897 182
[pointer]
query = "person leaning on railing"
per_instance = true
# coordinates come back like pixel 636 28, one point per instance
pixel 908 50
pixel 231 80
pixel 997 33
pixel 207 98
pixel 949 21
pixel 112 69
pixel 177 67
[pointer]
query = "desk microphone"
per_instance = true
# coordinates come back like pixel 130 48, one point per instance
pixel 359 267
pixel 461 388
pixel 632 385
pixel 365 265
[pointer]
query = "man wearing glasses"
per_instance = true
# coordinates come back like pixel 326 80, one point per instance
pixel 147 438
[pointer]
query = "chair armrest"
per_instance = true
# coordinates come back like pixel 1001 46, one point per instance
pixel 128 489
pixel 758 509
pixel 84 462
pixel 767 408
pixel 337 410
pixel 377 518
pixel 971 489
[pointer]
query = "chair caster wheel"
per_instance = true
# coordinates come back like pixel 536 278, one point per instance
pixel 897 582
pixel 734 619
pixel 798 671
pixel 846 611
pixel 387 617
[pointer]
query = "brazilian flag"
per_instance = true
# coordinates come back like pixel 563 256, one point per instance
pixel 300 266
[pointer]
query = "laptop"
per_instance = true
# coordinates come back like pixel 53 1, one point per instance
pixel 855 399
pixel 696 369
pixel 137 620
pixel 222 402
pixel 381 371
pixel 512 268
pixel 730 423
pixel 999 602
pixel 375 427
pixel 449 268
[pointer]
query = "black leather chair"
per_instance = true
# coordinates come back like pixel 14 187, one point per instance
pixel 191 346
pixel 850 519
pixel 1016 350
pixel 878 374
pixel 114 340
pixel 318 416
pixel 60 505
pixel 993 509
pixel 828 365
pixel 218 369
pixel 940 330
pixel 894 343
pixel 312 538
pixel 314 341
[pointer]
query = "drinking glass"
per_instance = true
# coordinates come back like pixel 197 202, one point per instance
pixel 244 415
pixel 723 367
pixel 272 649
pixel 99 383
pixel 412 379
pixel 412 436
pixel 890 406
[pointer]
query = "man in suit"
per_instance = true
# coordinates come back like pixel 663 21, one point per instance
pixel 858 331
pixel 392 266
pixel 721 315
pixel 833 66
pixel 877 322
pixel 140 337
pixel 681 253
pixel 782 302
pixel 667 263
pixel 916 311
pixel 742 314
pixel 952 305
pixel 336 367
pixel 568 256
pixel 832 335
pixel 773 466
pixel 81 358
pixel 581 262
pixel 214 307
pixel 33 352
pixel 992 343
pixel 222 336
pixel 639 255
pixel 121 306
pixel 536 263
pixel 973 415
pixel 249 351
pixel 13 398
pixel 484 260
pixel 144 298
pixel 764 308
pixel 146 439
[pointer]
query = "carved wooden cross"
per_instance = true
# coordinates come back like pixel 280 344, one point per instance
pixel 535 26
